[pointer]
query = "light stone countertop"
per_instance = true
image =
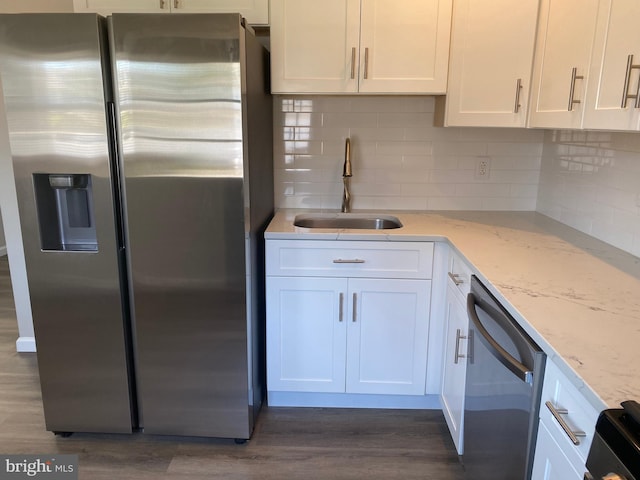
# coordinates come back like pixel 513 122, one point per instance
pixel 576 296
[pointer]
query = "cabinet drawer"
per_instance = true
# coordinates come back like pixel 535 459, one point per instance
pixel 579 416
pixel 550 461
pixel 314 258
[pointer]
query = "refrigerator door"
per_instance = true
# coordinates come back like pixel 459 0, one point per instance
pixel 54 94
pixel 178 86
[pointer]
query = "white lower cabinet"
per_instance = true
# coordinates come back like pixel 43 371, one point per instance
pixel 387 329
pixel 557 455
pixel 454 364
pixel 454 367
pixel 306 334
pixel 347 335
pixel 339 326
pixel 550 462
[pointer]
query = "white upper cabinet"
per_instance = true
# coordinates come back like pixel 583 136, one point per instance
pixel 255 11
pixel 614 79
pixel 107 7
pixel 314 46
pixel 561 67
pixel 404 46
pixel 490 62
pixel 367 46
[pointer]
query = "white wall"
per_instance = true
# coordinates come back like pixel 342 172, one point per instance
pixel 400 160
pixel 13 239
pixel 8 204
pixel 591 182
pixel 23 6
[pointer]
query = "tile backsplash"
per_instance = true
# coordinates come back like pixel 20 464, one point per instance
pixel 591 181
pixel 400 160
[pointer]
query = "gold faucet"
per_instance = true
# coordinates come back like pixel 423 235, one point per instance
pixel 346 178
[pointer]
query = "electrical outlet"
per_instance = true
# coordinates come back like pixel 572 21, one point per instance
pixel 483 167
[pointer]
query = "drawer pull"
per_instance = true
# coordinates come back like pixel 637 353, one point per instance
pixel 456 278
pixel 355 303
pixel 341 306
pixel 459 337
pixel 572 434
pixel 348 260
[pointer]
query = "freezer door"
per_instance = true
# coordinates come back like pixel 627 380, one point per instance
pixel 179 97
pixel 54 97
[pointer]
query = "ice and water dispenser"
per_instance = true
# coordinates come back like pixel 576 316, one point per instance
pixel 65 211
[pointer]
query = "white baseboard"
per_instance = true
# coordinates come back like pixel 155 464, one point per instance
pixel 346 400
pixel 3 250
pixel 26 344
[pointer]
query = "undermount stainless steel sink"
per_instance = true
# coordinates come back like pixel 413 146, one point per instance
pixel 347 220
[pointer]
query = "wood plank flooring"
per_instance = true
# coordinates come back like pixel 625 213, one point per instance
pixel 288 443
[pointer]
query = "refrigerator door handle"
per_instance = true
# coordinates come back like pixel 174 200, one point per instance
pixel 115 173
pixel 514 366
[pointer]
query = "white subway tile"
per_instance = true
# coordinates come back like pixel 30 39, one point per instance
pixel 377 134
pixel 459 148
pixel 482 190
pixel 453 203
pixel 350 120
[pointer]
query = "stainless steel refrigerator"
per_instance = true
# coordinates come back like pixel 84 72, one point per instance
pixel 142 150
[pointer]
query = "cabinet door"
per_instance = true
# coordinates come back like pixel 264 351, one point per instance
pixel 388 323
pixel 106 7
pixel 455 367
pixel 550 463
pixel 314 46
pixel 490 62
pixel 255 11
pixel 404 49
pixel 306 334
pixel 611 77
pixel 561 67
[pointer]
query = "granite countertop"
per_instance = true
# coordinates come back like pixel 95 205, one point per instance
pixel 577 297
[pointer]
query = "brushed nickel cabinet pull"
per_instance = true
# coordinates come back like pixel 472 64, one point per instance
pixel 341 302
pixel 572 434
pixel 456 278
pixel 355 300
pixel 572 88
pixel 348 260
pixel 366 63
pixel 517 105
pixel 627 80
pixel 459 337
pixel 353 63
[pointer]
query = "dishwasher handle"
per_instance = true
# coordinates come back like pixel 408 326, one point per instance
pixel 504 357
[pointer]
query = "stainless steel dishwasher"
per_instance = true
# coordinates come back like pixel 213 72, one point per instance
pixel 502 395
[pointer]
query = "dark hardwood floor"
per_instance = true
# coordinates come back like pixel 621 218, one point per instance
pixel 288 443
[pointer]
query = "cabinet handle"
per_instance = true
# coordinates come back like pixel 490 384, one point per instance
pixel 355 301
pixel 456 278
pixel 353 63
pixel 572 89
pixel 176 4
pixel 366 63
pixel 341 301
pixel 572 434
pixel 517 105
pixel 162 4
pixel 627 80
pixel 348 260
pixel 459 337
